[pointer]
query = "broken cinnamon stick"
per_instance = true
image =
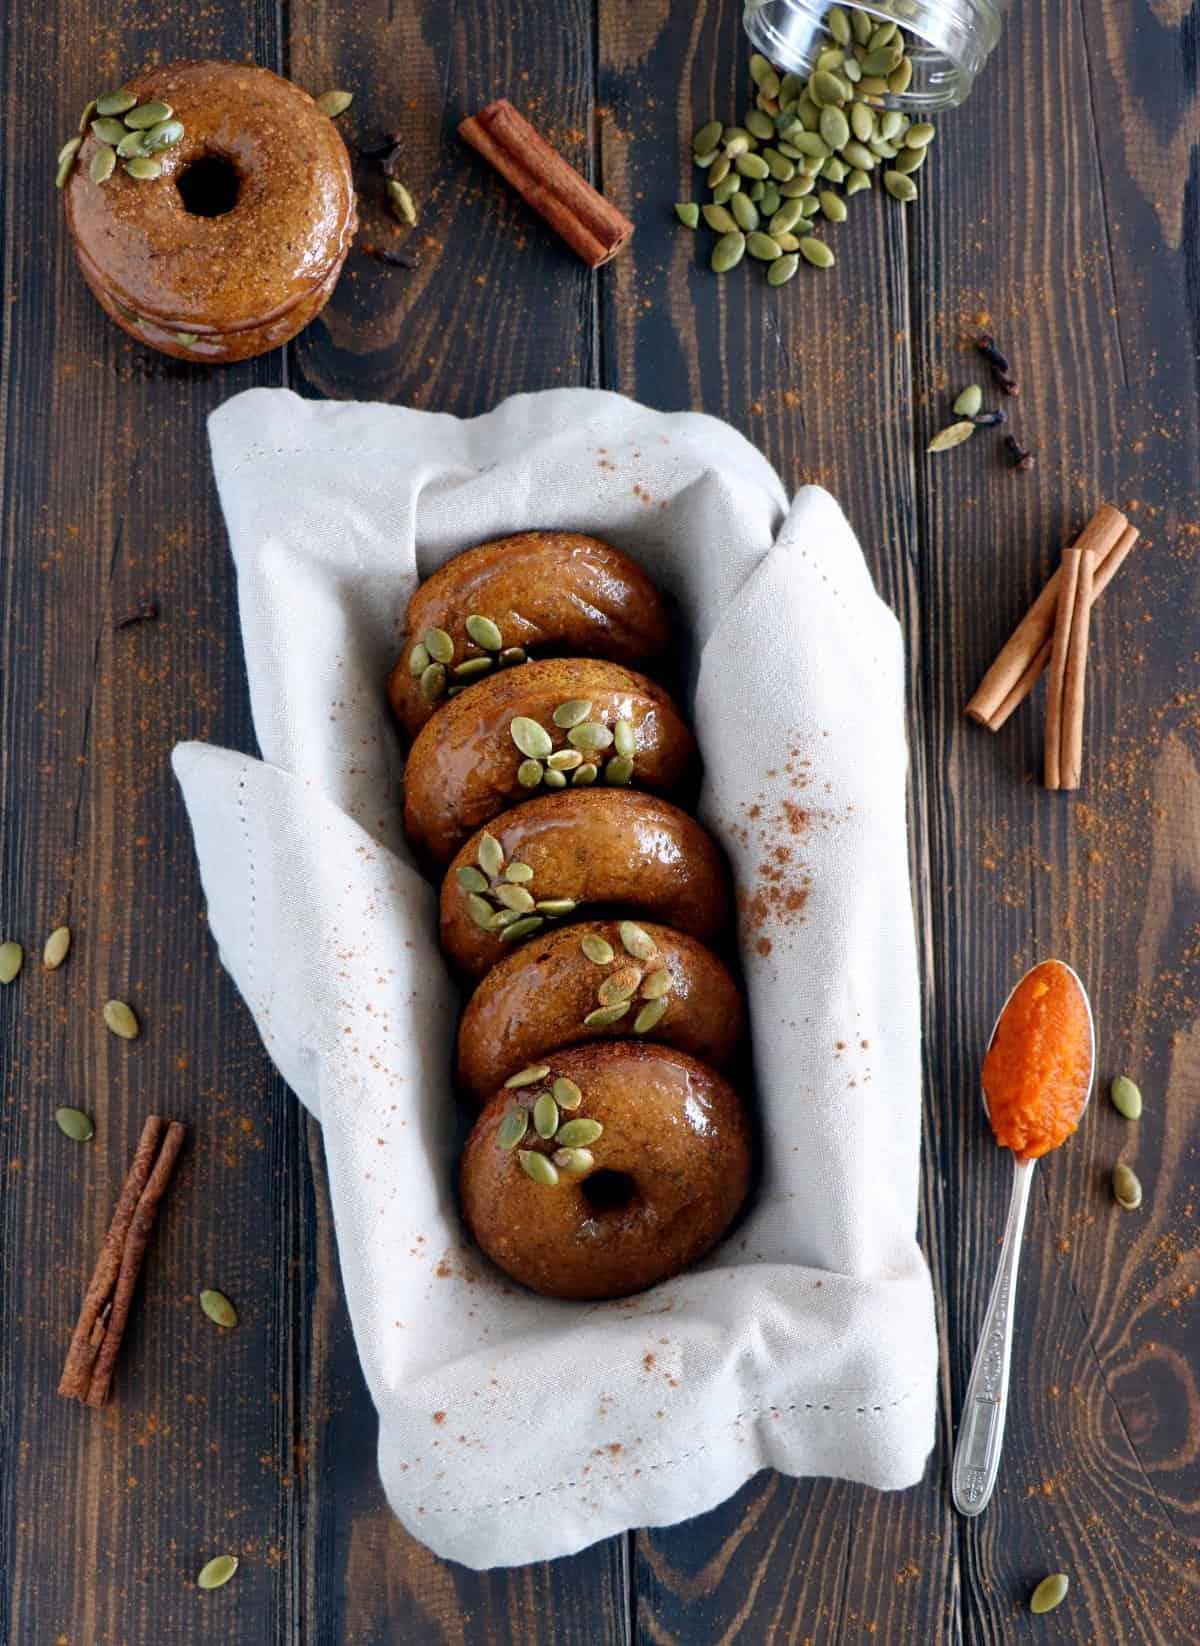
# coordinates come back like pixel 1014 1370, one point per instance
pixel 1024 658
pixel 96 1340
pixel 591 225
pixel 1066 686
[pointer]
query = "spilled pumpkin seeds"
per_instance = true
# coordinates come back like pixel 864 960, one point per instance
pixel 125 130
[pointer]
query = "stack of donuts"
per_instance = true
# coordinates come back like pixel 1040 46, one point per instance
pixel 580 900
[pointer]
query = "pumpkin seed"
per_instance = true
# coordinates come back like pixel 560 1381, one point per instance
pixel 911 160
pixel 1127 1191
pixel 860 157
pixel 574 1160
pixel 73 1123
pixel 484 632
pixel 530 773
pixel 480 911
pixel 825 88
pixel 779 166
pixel 489 854
pixel 470 879
pixel 881 61
pixel 718 172
pixel 108 130
pixel 899 186
pixel 512 655
pixel 538 1167
pixel 119 1020
pixel 219 1309
pixel 115 102
pixel 103 164
pixel 132 145
pixel 572 713
pixel 636 942
pixel 759 125
pixel 529 1076
pixel 857 181
pixel 605 1016
pixel 811 207
pixel 760 68
pixel 872 85
pixel 146 115
pixel 742 210
pixel 585 774
pixel 579 1133
pixel 782 270
pixel 512 1128
pixel 590 735
pixel 418 660
pixel 472 667
pixel 501 919
pixel 85 119
pixel 862 122
pixel 531 738
pixel 762 247
pixel 554 906
pixel 834 128
pixel 831 58
pixel 688 213
pixel 514 897
pixel 566 1093
pixel 517 873
pixel 707 137
pixel 555 780
pixel 66 160
pixel 953 435
pixel 144 170
pixel 1050 1592
pixel 863 26
pixel 752 165
pixel 725 190
pixel 439 645
pixel 656 984
pixel 882 36
pixel 217 1572
pixel 704 159
pixel 838 25
pixel 334 103
pixel 834 169
pixel 919 135
pixel 565 760
pixel 755 189
pixel 769 87
pixel 833 206
pixel 56 947
pixel 522 928
pixel 813 144
pixel 545 1116
pixel 650 1015
pixel 597 950
pixel 786 218
pixel 736 142
pixel 808 113
pixel 619 771
pixel 433 678
pixel 1126 1098
pixel 619 985
pixel 768 205
pixel 891 125
pixel 816 252
pixel 719 219
pixel 163 136
pixel 900 78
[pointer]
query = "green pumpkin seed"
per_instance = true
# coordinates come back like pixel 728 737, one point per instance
pixel 762 247
pixel 76 1125
pixel 579 1133
pixel 618 772
pixel 737 143
pixel 760 68
pixel 688 213
pixel 786 218
pixel 473 667
pixel 752 165
pixel 119 1020
pixel 755 190
pixel 566 1093
pixel 742 211
pixel 522 928
pixel 514 897
pixel 833 206
pixel 910 160
pixel 545 1116
pixel 554 906
pixel 863 26
pixel 418 660
pixel 835 170
pixel 719 219
pixel 707 138
pixel 217 1572
pixel 572 712
pixel 433 679
pixel 132 145
pixel 811 207
pixel 584 775
pixel 1126 1098
pixel 1050 1592
pixel 56 946
pixel 780 167
pixel 816 252
pixel 575 1161
pixel 590 735
pixel 1127 1190
pixel 899 186
pixel 784 268
pixel 862 122
pixel 831 58
pixel 555 780
pixel 489 854
pixel 439 645
pixel 597 950
pixel 619 985
pixel 835 128
pixel 838 25
pixel 85 119
pixel 480 911
pixel 759 125
pixel 656 984
pixel 484 632
pixel 219 1309
pixel 512 1128
pixel 66 160
pixel 719 171
pixel 108 130
pixel 953 435
pixel 532 740
pixel 825 89
pixel 163 136
pixel 651 1014
pixel 705 160
pixel 857 181
pixel 899 80
pixel 501 919
pixel 605 1016
pixel 636 942
pixel 518 873
pixel 798 189
pixel 725 190
pixel 537 1167
pixel 115 102
pixel 812 143
pixel 103 164
pixel 860 157
pixel 882 36
pixel 470 879
pixel 529 1076
pixel 530 773
pixel 565 760
pixel 334 103
pixel 891 125
pixel 881 61
pixel 146 115
pixel 918 136
pixel 807 113
pixel 143 169
pixel 969 401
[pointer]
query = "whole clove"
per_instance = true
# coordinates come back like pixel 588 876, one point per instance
pixel 998 361
pixel 1021 459
pixel 384 254
pixel 387 144
pixel 989 419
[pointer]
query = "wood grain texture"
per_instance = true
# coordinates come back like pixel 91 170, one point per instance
pixel 1078 238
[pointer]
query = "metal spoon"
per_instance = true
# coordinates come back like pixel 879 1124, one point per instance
pixel 985 1405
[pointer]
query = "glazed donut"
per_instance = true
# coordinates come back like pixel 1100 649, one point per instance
pixel 481 753
pixel 541 997
pixel 239 241
pixel 550 858
pixel 605 1169
pixel 557 593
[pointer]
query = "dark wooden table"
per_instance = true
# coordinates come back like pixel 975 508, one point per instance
pixel 1059 204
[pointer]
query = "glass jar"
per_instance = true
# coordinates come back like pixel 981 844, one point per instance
pixel 948 41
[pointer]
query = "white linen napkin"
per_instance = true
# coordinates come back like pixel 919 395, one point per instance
pixel 513 1428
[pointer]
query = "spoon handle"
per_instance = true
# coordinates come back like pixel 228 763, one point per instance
pixel 985 1405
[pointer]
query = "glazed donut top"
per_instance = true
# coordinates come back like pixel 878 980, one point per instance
pixel 293 213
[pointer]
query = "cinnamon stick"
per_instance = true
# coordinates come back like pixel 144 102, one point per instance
pixel 591 225
pixel 1068 671
pixel 1015 672
pixel 104 1314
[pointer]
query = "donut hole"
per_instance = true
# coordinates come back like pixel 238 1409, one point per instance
pixel 608 1191
pixel 209 186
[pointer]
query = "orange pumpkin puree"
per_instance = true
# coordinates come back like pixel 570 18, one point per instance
pixel 1037 1071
